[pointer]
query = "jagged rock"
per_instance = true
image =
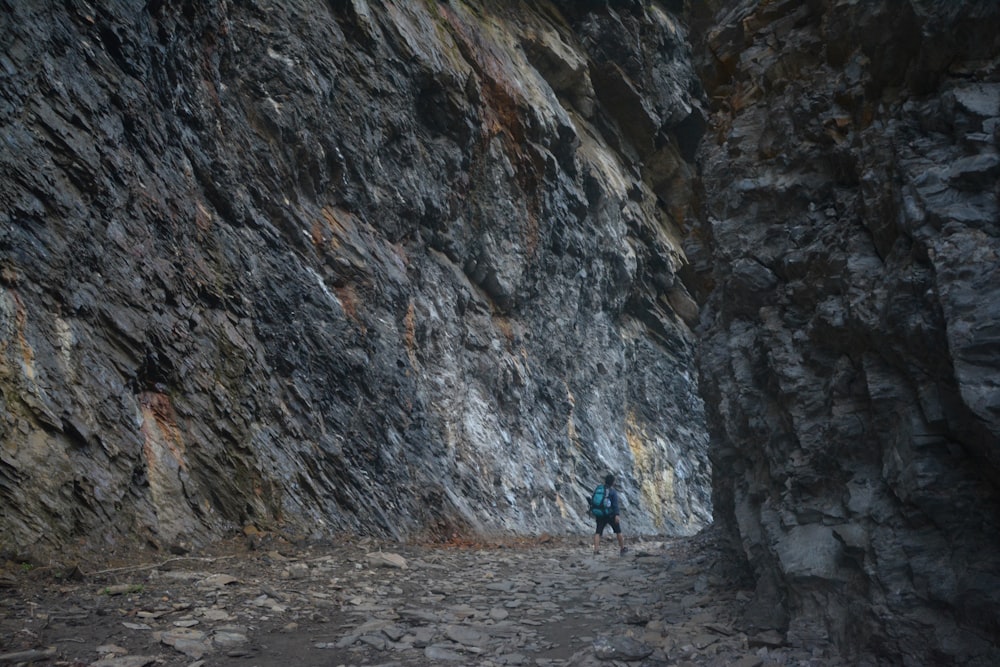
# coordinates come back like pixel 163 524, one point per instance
pixel 429 270
pixel 848 327
pixel 366 267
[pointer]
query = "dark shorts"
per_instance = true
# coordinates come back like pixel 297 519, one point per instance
pixel 603 521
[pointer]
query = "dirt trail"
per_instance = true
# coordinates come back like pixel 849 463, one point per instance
pixel 547 602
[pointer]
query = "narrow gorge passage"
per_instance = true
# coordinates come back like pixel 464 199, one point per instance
pixel 407 268
pixel 548 602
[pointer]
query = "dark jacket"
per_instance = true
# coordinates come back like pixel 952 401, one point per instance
pixel 613 495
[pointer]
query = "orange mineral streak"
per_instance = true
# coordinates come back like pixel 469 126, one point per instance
pixel 159 429
pixel 337 222
pixel 20 324
pixel 202 219
pixel 504 110
pixel 349 300
pixel 410 336
pixel 316 234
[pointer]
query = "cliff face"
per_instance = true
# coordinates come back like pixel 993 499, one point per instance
pixel 423 269
pixel 406 268
pixel 851 350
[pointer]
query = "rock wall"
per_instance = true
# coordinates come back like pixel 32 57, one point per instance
pixel 403 268
pixel 849 259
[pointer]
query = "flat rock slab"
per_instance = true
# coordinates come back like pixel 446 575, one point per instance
pixel 126 661
pixel 379 559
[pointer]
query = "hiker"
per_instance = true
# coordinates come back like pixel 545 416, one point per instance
pixel 605 510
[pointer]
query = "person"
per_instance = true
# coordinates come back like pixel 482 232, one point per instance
pixel 611 518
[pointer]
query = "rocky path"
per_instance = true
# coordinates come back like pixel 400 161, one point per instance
pixel 549 603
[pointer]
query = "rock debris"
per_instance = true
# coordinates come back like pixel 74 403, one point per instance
pixel 547 602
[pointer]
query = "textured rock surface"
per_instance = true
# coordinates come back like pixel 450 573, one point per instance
pixel 424 268
pixel 391 267
pixel 517 603
pixel 851 349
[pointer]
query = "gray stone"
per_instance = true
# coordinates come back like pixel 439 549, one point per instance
pixel 390 560
pixel 125 661
pixel 466 636
pixel 444 653
pixel 227 639
pixel 499 613
pixel 622 648
pixel 423 270
pixel 261 324
pixel 849 273
pixel 192 643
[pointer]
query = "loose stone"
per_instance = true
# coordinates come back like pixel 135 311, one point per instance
pixel 488 607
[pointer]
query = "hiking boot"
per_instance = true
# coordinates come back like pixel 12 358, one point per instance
pixel 623 551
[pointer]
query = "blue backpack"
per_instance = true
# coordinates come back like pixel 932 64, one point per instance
pixel 600 502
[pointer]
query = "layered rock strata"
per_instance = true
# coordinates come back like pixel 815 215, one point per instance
pixel 396 267
pixel 851 349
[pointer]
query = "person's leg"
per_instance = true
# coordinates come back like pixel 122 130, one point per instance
pixel 597 533
pixel 616 525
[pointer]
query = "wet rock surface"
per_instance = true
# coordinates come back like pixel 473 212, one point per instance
pixel 546 602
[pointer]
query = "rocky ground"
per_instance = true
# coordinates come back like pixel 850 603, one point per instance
pixel 268 602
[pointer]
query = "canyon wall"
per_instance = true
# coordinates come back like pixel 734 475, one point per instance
pixel 397 268
pixel 849 263
pixel 431 269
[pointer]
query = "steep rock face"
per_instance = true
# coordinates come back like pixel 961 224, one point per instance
pixel 397 267
pixel 851 350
